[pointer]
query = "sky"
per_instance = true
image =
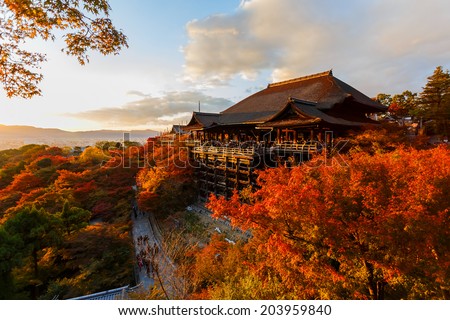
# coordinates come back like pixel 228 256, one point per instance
pixel 182 52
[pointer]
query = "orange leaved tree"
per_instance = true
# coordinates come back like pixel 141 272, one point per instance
pixel 378 227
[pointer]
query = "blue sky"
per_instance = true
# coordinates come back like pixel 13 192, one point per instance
pixel 218 52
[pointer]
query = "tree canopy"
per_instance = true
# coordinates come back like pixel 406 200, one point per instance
pixel 435 100
pixel 64 223
pixel 377 228
pixel 432 105
pixel 85 25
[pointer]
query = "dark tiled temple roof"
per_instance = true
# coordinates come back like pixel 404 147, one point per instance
pixel 307 113
pixel 178 129
pixel 323 89
pixel 203 120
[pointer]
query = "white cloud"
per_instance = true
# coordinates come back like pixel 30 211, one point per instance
pixel 221 47
pixel 172 107
pixel 366 41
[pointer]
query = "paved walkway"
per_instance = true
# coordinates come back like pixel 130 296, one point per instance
pixel 142 228
pixel 145 226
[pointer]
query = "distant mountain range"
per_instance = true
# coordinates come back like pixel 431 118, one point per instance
pixel 15 136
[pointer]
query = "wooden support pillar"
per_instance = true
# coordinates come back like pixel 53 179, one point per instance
pixel 215 176
pixel 329 138
pixel 278 135
pixel 319 136
pixel 237 172
pixel 206 175
pixel 226 177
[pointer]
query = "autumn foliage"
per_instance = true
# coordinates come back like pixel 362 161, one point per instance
pixel 373 223
pixel 64 222
pixel 376 228
pixel 166 183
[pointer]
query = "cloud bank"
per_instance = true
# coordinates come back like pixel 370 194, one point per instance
pixel 171 108
pixel 373 42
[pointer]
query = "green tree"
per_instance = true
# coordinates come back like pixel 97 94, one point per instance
pixel 94 155
pixel 73 218
pixel 435 101
pixel 384 99
pixel 399 105
pixel 86 26
pixel 108 145
pixel 402 105
pixel 38 230
pixel 9 258
pixel 128 144
pixel 8 172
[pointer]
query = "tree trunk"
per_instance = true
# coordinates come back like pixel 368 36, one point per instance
pixel 372 286
pixel 35 263
pixel 375 286
pixel 35 290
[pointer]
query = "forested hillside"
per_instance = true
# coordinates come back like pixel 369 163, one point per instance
pixel 370 223
pixel 64 222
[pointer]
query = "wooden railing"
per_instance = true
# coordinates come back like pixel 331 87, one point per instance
pixel 192 143
pixel 306 146
pixel 226 150
pixel 303 147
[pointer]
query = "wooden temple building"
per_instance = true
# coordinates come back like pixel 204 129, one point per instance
pixel 284 124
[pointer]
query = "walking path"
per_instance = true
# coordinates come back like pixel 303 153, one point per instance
pixel 153 266
pixel 142 229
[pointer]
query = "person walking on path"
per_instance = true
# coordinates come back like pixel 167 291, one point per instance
pixel 142 231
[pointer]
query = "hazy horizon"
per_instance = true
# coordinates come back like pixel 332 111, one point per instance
pixel 13 137
pixel 3 126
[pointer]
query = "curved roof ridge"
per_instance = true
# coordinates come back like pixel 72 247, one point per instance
pixel 311 76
